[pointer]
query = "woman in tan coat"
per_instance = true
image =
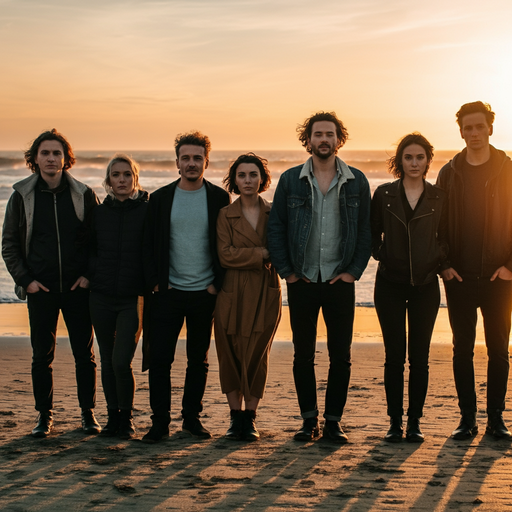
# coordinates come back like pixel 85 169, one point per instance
pixel 248 307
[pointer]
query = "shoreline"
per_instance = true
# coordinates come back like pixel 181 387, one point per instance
pixel 14 322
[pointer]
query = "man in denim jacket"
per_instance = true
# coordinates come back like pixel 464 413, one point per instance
pixel 319 241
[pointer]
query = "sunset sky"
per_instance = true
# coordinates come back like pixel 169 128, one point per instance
pixel 114 74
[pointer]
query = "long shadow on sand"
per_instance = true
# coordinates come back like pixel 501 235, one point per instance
pixel 461 470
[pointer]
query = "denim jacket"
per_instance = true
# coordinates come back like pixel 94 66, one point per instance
pixel 290 221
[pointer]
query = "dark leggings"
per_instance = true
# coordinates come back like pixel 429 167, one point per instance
pixel 116 324
pixel 421 304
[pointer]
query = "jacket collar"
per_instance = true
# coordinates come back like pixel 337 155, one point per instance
pixel 241 224
pixel 393 193
pixel 500 158
pixel 343 171
pixel 26 186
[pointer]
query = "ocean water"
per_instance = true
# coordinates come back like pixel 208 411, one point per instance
pixel 158 169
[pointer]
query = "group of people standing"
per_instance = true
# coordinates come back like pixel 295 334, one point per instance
pixel 187 254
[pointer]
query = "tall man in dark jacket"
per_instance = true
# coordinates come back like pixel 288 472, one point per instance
pixel 43 247
pixel 479 271
pixel 182 269
pixel 319 241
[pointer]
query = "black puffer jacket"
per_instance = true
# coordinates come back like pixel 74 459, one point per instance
pixel 117 232
pixel 407 252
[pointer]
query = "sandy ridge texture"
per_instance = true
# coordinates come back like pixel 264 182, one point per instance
pixel 71 471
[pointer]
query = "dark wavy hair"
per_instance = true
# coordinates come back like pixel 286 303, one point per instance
pixel 229 181
pixel 305 129
pixel 395 162
pixel 53 134
pixel 473 108
pixel 193 138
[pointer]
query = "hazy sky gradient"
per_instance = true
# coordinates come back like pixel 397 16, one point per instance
pixel 131 74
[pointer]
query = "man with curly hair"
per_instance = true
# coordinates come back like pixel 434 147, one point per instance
pixel 319 241
pixel 478 272
pixel 183 271
pixel 44 248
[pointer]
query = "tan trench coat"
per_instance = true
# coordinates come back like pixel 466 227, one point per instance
pixel 248 307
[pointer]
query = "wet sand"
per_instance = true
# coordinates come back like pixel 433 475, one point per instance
pixel 71 471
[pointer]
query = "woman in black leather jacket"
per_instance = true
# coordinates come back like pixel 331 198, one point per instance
pixel 405 220
pixel 117 281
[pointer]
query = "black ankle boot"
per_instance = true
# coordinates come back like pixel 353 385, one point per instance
pixel 395 431
pixel 44 424
pixel 413 433
pixel 496 426
pixel 89 424
pixel 249 432
pixel 235 427
pixel 112 426
pixel 126 426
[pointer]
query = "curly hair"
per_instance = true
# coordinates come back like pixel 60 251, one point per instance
pixel 134 166
pixel 193 138
pixel 229 180
pixel 395 166
pixel 473 108
pixel 53 134
pixel 305 129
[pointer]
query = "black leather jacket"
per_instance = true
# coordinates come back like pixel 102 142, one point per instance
pixel 407 252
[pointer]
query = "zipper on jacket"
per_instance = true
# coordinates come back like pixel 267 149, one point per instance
pixel 58 239
pixel 407 227
pixel 410 248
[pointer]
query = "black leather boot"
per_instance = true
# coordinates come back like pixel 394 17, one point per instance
pixel 89 424
pixel 496 426
pixel 112 426
pixel 395 431
pixel 249 432
pixel 126 426
pixel 413 433
pixel 308 431
pixel 236 425
pixel 467 427
pixel 44 424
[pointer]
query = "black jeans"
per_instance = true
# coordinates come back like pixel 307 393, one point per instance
pixel 168 310
pixel 43 309
pixel 495 302
pixel 393 301
pixel 337 302
pixel 116 324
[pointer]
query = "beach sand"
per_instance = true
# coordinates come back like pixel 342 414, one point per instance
pixel 71 471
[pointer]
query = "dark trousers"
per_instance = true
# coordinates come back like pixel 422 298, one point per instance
pixel 116 324
pixel 393 301
pixel 43 310
pixel 169 309
pixel 495 302
pixel 337 302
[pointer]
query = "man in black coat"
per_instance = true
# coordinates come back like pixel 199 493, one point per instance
pixel 43 245
pixel 478 273
pixel 183 271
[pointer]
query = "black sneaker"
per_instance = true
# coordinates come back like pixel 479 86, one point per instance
pixel 194 427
